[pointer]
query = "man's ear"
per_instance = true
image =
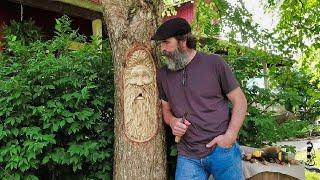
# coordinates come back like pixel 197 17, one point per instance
pixel 183 44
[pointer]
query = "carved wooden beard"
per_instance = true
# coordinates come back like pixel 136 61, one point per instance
pixel 140 118
pixel 138 125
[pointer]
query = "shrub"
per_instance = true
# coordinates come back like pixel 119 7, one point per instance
pixel 56 108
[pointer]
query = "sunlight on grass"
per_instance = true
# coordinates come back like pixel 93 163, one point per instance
pixel 312 175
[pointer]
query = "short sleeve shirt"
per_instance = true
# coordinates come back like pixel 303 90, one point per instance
pixel 199 90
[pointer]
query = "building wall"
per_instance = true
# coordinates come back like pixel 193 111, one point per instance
pixel 186 11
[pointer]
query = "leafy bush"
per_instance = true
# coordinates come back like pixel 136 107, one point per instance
pixel 258 129
pixel 56 108
pixel 294 129
pixel 26 32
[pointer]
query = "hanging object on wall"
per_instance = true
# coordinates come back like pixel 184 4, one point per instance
pixel 21 12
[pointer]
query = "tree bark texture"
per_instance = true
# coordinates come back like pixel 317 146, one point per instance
pixel 140 151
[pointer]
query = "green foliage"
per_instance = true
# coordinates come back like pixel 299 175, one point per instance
pixel 243 28
pixel 289 148
pixel 169 7
pixel 298 27
pixel 294 129
pixel 297 93
pixel 56 108
pixel 206 23
pixel 26 32
pixel 258 129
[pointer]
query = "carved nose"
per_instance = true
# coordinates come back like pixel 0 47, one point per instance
pixel 139 83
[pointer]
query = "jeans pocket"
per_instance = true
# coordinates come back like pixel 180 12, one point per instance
pixel 224 148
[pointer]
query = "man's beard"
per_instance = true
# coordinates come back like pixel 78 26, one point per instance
pixel 177 60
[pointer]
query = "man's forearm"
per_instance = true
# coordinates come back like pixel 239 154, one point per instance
pixel 166 112
pixel 167 116
pixel 239 112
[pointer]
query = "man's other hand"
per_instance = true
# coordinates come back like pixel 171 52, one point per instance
pixel 225 141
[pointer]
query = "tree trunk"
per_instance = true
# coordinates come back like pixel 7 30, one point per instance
pixel 140 151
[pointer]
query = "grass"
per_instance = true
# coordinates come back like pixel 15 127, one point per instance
pixel 302 155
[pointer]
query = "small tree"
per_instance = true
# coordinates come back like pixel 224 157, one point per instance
pixel 139 133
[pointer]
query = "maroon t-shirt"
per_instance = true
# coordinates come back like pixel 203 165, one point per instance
pixel 200 91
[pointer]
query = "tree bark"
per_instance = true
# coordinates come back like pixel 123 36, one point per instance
pixel 140 151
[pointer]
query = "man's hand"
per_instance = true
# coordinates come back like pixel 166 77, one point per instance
pixel 179 126
pixel 225 141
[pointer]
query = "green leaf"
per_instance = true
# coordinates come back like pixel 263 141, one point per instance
pixel 174 151
pixel 31 177
pixel 55 126
pixel 73 128
pixel 69 120
pixel 62 123
pixel 45 159
pixel 17 176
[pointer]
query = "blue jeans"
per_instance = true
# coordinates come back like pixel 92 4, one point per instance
pixel 222 163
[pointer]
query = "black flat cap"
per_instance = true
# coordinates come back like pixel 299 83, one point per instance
pixel 171 28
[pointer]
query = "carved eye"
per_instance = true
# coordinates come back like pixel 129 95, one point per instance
pixel 135 76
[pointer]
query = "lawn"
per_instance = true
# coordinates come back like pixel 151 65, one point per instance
pixel 302 155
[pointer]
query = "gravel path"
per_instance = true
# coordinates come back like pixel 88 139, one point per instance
pixel 301 144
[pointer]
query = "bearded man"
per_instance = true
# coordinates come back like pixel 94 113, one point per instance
pixel 195 89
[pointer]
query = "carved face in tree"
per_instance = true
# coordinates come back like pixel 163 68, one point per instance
pixel 140 118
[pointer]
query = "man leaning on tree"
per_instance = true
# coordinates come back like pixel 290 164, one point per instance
pixel 195 90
